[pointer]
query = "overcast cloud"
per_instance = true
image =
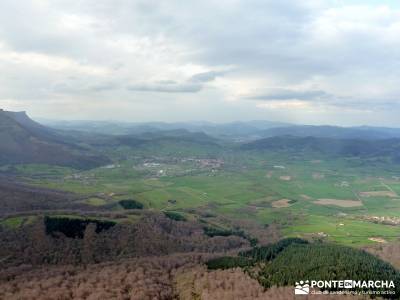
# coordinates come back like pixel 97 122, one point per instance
pixel 311 61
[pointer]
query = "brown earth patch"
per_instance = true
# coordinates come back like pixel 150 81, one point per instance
pixel 281 203
pixel 285 178
pixel 305 197
pixel 337 202
pixel 389 194
pixel 377 239
pixel 389 252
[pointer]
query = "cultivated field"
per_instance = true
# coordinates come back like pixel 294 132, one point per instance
pixel 268 188
pixel 337 202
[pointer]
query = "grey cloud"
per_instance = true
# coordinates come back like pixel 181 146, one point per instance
pixel 166 87
pixel 343 49
pixel 76 85
pixel 106 86
pixel 287 94
pixel 320 97
pixel 370 104
pixel 206 76
pixel 166 82
pixel 192 85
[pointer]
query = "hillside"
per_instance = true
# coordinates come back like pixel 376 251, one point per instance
pixel 363 132
pixel 328 146
pixel 19 198
pixel 167 142
pixel 25 141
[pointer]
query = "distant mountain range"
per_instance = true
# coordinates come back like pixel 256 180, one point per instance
pixel 248 130
pixel 240 131
pixel 78 144
pixel 25 141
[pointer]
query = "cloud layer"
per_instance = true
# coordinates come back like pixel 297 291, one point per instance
pixel 312 61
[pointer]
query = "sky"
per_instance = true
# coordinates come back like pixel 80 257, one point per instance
pixel 310 61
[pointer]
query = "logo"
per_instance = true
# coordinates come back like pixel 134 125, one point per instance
pixel 348 284
pixel 302 288
pixel 306 287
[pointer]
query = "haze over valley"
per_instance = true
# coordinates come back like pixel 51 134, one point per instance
pixel 88 193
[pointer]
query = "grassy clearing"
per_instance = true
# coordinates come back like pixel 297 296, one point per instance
pixel 15 222
pixel 95 201
pixel 342 230
pixel 12 222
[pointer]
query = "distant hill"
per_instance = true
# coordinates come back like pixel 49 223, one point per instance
pixel 237 131
pixel 25 141
pixel 363 132
pixel 140 139
pixel 329 146
pixel 179 135
pixel 219 130
pixel 178 142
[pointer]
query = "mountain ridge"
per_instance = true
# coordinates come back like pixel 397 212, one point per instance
pixel 26 141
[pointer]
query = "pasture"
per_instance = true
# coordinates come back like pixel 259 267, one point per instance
pixel 305 197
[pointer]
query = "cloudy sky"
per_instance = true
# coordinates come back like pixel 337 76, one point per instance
pixel 308 61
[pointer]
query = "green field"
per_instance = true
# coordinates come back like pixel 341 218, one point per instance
pixel 247 186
